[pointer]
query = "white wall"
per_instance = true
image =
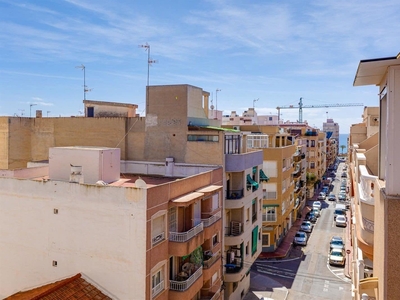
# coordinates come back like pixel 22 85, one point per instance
pixel 99 231
pixel 98 163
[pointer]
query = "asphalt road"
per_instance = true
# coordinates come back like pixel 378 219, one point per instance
pixel 306 273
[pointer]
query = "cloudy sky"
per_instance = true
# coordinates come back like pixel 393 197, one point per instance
pixel 273 51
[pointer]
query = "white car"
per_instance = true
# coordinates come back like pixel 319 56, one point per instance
pixel 341 221
pixel 300 238
pixel 337 257
pixel 321 196
pixel 317 204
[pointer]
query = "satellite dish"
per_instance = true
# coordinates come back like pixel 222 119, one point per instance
pixel 140 183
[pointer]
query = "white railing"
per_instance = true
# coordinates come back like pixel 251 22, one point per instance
pixel 184 285
pixel 366 185
pixel 158 288
pixel 211 220
pixel 182 237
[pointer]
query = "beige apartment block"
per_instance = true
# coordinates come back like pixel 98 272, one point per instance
pixel 281 189
pixel 374 173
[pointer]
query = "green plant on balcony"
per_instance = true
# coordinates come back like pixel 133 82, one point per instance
pixel 311 178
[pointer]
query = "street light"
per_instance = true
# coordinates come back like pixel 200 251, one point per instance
pixel 30 109
pixel 48 113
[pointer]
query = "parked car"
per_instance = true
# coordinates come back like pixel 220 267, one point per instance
pixel 300 238
pixel 332 197
pixel 343 188
pixel 339 212
pixel 344 175
pixel 316 211
pixel 341 221
pixel 317 204
pixel 306 226
pixel 310 216
pixel 321 196
pixel 325 190
pixel 337 257
pixel 336 243
pixel 342 196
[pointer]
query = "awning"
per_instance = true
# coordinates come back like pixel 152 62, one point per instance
pixel 263 177
pixel 187 199
pixel 251 181
pixel 270 205
pixel 211 189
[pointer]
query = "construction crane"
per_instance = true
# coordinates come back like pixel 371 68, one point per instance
pixel 301 106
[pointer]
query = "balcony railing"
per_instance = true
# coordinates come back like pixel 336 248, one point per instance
pixel 366 185
pixel 182 237
pixel 269 195
pixel 235 267
pixel 183 285
pixel 209 262
pixel 211 220
pixel 158 288
pixel 235 194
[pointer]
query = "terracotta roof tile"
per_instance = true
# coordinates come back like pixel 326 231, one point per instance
pixel 67 289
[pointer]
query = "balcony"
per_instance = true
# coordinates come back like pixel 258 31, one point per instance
pixel 184 242
pixel 233 233
pixel 211 220
pixel 182 237
pixel 241 162
pixel 210 259
pixel 235 194
pixel 184 281
pixel 211 296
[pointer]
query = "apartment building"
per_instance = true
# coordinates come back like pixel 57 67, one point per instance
pixel 134 237
pixel 374 164
pixel 175 132
pixel 280 180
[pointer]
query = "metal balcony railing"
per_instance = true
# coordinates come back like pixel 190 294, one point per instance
pixel 211 220
pixel 183 285
pixel 182 237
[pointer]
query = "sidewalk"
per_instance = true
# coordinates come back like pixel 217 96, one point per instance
pixel 286 244
pixel 348 245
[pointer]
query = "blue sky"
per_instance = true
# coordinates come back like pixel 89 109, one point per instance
pixel 274 51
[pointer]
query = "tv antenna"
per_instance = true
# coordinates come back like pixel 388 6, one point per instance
pixel 85 88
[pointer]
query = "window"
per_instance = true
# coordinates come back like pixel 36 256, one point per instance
pixel 312 165
pixel 215 201
pixel 202 138
pixel 265 240
pixel 247 248
pixel 158 225
pixel 270 214
pixel 269 191
pixel 232 144
pixel 215 239
pixel 312 143
pixel 157 281
pixel 247 214
pixel 254 210
pixel 270 168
